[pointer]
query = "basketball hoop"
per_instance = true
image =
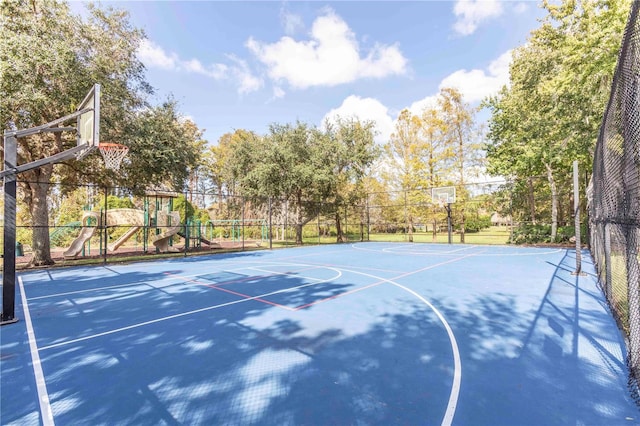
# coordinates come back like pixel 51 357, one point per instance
pixel 113 154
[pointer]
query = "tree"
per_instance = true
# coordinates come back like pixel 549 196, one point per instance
pixel 224 167
pixel 64 57
pixel 167 149
pixel 351 153
pixel 461 143
pixel 559 84
pixel 67 55
pixel 289 163
pixel 406 168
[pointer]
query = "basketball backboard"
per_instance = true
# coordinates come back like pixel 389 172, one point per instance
pixel 89 121
pixel 443 195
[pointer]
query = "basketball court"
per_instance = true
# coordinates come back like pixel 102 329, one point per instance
pixel 366 333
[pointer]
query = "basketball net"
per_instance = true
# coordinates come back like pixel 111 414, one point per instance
pixel 113 154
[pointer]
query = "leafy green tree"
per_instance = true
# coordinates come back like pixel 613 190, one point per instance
pixel 351 153
pixel 461 140
pixel 406 169
pixel 49 59
pixel 165 149
pixel 223 166
pixel 288 163
pixel 559 83
pixel 65 56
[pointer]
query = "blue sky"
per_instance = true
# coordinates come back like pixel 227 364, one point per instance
pixel 234 65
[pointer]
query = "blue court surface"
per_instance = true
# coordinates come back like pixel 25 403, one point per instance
pixel 360 334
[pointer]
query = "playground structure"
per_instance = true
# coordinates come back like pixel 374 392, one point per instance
pixel 167 224
pixel 156 216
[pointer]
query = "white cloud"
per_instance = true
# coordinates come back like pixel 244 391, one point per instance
pixel 417 107
pixel 154 56
pixel 477 84
pixel 364 109
pixel 471 13
pixel 474 86
pixel 330 57
pixel 291 22
pixel 247 81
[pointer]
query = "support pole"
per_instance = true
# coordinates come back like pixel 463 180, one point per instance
pixel 9 257
pixel 449 227
pixel 270 227
pixel 576 210
pixel 104 224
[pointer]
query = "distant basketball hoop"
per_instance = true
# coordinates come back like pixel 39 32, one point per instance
pixel 113 154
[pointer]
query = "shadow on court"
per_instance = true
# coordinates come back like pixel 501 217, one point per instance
pixel 184 345
pixel 247 363
pixel 555 368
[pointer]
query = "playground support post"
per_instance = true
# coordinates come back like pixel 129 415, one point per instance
pixel 9 272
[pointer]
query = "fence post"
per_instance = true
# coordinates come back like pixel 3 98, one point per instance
pixel 270 227
pixel 186 223
pixel 242 222
pixel 576 211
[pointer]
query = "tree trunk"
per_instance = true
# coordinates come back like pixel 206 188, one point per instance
pixel 39 208
pixel 410 228
pixel 532 200
pixel 340 235
pixel 435 233
pixel 554 202
pixel 299 219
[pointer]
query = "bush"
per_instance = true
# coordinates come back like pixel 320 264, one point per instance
pixel 476 224
pixel 534 234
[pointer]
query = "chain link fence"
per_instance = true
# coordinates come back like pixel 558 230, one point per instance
pixel 91 222
pixel 614 196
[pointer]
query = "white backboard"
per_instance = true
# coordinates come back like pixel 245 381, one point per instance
pixel 89 122
pixel 443 194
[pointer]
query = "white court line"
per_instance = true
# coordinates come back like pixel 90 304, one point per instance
pixel 457 364
pixel 87 290
pixel 446 253
pixel 41 386
pixel 292 274
pixel 167 278
pixel 208 308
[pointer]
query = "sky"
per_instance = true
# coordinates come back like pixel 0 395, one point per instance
pixel 246 65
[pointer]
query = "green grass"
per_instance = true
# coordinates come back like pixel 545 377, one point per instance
pixel 493 235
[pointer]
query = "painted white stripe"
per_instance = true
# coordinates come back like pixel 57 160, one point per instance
pixel 208 308
pixel 429 252
pixel 88 290
pixel 447 420
pixel 41 386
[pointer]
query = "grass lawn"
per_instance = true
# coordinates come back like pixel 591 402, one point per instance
pixel 492 235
